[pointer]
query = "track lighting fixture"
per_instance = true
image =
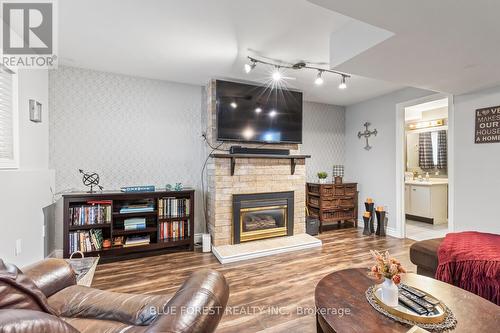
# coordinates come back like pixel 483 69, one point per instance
pixel 319 80
pixel 277 75
pixel 342 84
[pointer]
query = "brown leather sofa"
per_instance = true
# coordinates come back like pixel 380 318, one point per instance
pixel 424 255
pixel 45 298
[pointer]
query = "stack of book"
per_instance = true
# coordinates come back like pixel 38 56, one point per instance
pixel 94 212
pixel 136 241
pixel 137 223
pixel 173 207
pixel 85 241
pixel 175 230
pixel 138 208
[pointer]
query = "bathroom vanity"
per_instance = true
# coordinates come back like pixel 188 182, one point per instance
pixel 427 201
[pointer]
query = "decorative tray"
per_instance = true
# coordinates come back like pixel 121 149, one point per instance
pixel 435 316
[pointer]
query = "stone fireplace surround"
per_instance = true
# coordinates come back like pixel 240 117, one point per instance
pixel 251 176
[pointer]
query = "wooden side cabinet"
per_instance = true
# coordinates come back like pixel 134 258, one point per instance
pixel 333 203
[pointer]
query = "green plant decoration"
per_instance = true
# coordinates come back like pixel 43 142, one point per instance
pixel 322 175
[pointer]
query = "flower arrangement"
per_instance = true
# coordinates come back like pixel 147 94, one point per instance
pixel 389 268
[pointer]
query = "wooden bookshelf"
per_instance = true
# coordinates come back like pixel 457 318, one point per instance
pixel 116 228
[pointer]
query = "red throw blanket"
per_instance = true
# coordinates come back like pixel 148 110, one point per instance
pixel 471 260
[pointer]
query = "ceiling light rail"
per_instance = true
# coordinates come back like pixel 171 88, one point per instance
pixel 276 75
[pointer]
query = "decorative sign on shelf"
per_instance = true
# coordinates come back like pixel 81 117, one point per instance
pixel 141 188
pixel 488 125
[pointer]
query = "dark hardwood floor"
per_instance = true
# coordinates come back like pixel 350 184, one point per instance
pixel 259 287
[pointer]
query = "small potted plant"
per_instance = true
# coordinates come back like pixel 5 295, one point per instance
pixel 390 269
pixel 322 177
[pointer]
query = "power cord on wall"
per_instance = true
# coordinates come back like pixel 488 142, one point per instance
pixel 203 194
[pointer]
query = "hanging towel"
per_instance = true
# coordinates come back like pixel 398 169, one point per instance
pixel 425 160
pixel 442 145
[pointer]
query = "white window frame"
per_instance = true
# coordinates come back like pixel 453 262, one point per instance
pixel 13 163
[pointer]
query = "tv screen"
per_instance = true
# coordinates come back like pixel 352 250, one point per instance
pixel 249 113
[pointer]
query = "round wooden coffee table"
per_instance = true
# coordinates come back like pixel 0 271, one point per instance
pixel 341 305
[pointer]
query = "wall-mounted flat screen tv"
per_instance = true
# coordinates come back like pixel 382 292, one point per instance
pixel 251 113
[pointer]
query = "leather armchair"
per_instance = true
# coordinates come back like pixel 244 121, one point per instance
pixel 45 298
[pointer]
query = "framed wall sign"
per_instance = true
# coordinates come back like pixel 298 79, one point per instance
pixel 487 125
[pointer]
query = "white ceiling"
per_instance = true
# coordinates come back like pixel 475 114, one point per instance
pixel 449 46
pixel 192 41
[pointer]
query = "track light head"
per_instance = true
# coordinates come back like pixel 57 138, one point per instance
pixel 250 67
pixel 319 79
pixel 276 74
pixel 342 84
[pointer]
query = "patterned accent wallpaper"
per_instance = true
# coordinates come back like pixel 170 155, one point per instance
pixel 129 130
pixel 323 138
pixel 136 131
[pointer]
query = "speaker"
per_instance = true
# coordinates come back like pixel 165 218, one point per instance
pixel 258 151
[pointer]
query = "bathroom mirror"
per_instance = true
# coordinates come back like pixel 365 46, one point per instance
pixel 427 151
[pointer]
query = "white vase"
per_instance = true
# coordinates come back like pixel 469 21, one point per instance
pixel 389 293
pixel 322 180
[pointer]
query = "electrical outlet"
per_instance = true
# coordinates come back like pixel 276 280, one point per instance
pixel 18 247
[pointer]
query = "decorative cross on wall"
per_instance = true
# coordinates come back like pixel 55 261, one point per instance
pixel 366 134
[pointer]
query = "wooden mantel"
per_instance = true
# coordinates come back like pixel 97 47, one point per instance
pixel 234 157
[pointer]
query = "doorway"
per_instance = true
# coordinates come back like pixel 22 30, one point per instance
pixel 425 167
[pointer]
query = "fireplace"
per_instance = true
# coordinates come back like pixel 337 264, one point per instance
pixel 262 215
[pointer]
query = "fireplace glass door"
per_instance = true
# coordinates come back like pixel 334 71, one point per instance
pixel 262 215
pixel 263 222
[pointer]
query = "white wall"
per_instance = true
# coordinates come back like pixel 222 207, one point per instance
pixel 375 170
pixel 25 191
pixel 323 137
pixel 477 181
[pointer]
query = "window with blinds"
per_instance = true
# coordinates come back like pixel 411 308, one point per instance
pixel 8 122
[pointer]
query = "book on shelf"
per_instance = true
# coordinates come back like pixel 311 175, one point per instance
pixel 137 223
pixel 138 208
pixel 93 212
pixel 175 230
pixel 173 207
pixel 85 241
pixel 136 241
